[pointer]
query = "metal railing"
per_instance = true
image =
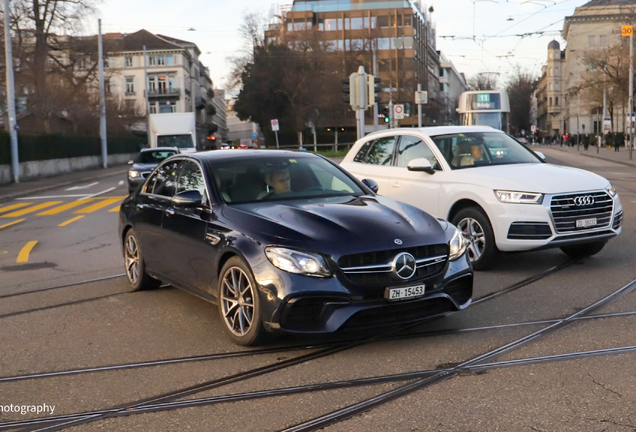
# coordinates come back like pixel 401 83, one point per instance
pixel 164 92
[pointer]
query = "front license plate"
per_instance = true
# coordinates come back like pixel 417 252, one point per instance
pixel 584 223
pixel 405 293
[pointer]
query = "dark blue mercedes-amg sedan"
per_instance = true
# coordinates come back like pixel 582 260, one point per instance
pixel 289 242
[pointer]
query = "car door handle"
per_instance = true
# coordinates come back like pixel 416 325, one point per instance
pixel 170 212
pixel 141 206
pixel 395 184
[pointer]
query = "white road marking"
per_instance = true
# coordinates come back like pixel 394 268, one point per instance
pixel 52 196
pixel 97 194
pixel 121 182
pixel 82 187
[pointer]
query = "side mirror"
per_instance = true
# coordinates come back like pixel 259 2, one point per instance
pixel 191 198
pixel 421 164
pixel 131 162
pixel 540 154
pixel 371 184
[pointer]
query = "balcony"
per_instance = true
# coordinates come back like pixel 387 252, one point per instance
pixel 165 92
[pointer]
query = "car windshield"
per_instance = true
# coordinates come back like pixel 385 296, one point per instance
pixel 475 149
pixel 154 157
pixel 178 141
pixel 271 179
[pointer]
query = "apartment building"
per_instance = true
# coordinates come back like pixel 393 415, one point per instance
pixel 451 85
pixel 565 102
pixel 401 34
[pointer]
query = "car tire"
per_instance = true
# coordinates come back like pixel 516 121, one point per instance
pixel 239 305
pixel 585 250
pixel 135 266
pixel 475 226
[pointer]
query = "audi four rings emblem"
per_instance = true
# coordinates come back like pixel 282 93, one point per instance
pixel 404 265
pixel 584 200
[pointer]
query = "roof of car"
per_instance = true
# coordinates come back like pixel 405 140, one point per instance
pixel 159 149
pixel 440 130
pixel 236 154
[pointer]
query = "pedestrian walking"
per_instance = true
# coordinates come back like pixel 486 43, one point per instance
pixel 618 139
pixel 609 140
pixel 586 141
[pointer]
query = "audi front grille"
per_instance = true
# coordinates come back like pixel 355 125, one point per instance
pixel 567 209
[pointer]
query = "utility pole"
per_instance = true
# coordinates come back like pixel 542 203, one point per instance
pixel 391 125
pixel 631 93
pixel 375 74
pixel 102 98
pixel 363 94
pixel 147 98
pixel 13 133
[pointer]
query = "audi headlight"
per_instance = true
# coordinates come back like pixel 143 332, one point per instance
pixel 519 197
pixel 133 174
pixel 457 245
pixel 611 190
pixel 293 261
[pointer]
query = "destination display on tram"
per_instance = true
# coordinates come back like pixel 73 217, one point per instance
pixel 484 101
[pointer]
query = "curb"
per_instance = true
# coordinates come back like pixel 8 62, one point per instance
pixel 629 164
pixel 22 193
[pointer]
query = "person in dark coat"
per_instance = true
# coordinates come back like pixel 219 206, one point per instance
pixel 618 138
pixel 586 141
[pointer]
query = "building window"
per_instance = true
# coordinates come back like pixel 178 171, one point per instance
pixel 357 23
pixel 106 62
pixel 383 21
pixel 153 108
pixel 166 108
pixel 384 65
pixel 151 61
pixel 556 71
pixel 321 24
pixel 130 85
pixel 591 41
pixel 384 43
pixel 170 60
pixel 441 87
pixel 128 61
pixel 556 86
pixel 556 101
pixel 550 102
pixel 408 21
pixel 603 41
pixel 161 61
pixel 333 24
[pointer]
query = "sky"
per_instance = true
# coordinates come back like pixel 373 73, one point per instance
pixel 213 26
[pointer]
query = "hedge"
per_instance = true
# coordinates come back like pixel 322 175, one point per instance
pixel 53 146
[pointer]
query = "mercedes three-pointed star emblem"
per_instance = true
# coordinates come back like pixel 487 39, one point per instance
pixel 404 265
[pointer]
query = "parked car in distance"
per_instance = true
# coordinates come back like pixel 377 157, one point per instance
pixel 289 242
pixel 502 195
pixel 146 161
pixel 225 146
pixel 522 140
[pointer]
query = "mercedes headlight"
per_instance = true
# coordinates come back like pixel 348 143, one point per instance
pixel 519 197
pixel 611 190
pixel 457 245
pixel 293 261
pixel 133 174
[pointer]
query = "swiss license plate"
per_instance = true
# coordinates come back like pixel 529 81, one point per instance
pixel 405 293
pixel 584 223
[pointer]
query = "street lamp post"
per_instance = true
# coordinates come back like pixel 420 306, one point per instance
pixel 13 133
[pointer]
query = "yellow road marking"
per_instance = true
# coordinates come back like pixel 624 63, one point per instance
pixel 12 223
pixel 99 205
pixel 23 256
pixel 32 209
pixel 114 209
pixel 13 207
pixel 68 222
pixel 60 209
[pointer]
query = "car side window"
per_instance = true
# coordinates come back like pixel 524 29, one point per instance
pixel 415 148
pixel 364 150
pixel 380 151
pixel 165 181
pixel 191 178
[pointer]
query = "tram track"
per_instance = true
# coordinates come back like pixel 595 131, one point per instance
pixel 328 350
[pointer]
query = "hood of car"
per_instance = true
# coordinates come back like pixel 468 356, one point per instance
pixel 539 177
pixel 338 225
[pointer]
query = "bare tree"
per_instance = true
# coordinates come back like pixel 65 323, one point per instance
pixel 520 87
pixel 483 81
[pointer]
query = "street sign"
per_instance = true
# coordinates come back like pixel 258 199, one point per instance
pixel 275 126
pixel 398 112
pixel 421 98
pixel 607 125
pixel 533 128
pixel 627 30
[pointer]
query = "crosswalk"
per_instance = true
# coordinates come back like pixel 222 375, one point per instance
pixel 81 207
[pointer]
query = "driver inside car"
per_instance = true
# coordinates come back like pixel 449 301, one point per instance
pixel 278 182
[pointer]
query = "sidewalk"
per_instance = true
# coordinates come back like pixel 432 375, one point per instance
pixel 16 190
pixel 620 157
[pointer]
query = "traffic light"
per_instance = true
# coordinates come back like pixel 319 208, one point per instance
pixel 385 112
pixel 352 89
pixel 373 89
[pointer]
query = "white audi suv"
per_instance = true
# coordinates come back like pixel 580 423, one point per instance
pixel 500 194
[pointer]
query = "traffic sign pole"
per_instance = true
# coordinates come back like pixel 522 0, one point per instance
pixel 631 90
pixel 419 108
